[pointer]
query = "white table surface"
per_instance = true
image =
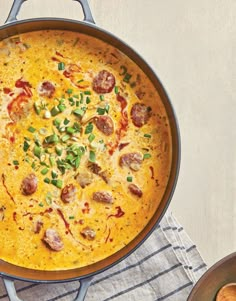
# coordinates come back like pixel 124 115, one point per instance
pixel 191 44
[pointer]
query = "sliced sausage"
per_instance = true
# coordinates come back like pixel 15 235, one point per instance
pixel 46 89
pixel 103 196
pixel 96 169
pixel 104 82
pixel 19 108
pixel 68 193
pixel 53 240
pixel 140 114
pixel 88 233
pixel 84 179
pixel 104 124
pixel 134 189
pixel 131 160
pixel 29 184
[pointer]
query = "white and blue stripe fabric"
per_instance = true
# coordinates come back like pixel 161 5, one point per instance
pixel 165 267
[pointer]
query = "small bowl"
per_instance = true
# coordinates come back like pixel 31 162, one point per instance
pixel 220 274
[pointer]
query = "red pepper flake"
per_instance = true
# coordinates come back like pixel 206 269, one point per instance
pixel 59 54
pixel 120 132
pixel 86 210
pixel 4 184
pixel 14 216
pixel 118 214
pixel 12 139
pixel 123 145
pixel 25 86
pixel 6 90
pixel 55 59
pixel 152 172
pixel 67 74
pixel 109 233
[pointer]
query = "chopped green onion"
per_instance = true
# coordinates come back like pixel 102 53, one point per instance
pixel 92 156
pixel 146 156
pixel 127 77
pixel 51 139
pixel 101 97
pixel 107 108
pixel 87 92
pixel 89 128
pixel 80 81
pixel 147 135
pixel 37 151
pixel 69 91
pixel 31 129
pixel 77 103
pixel 33 165
pixel 54 174
pixel 47 180
pixel 88 100
pixel 129 179
pixel 71 101
pixel 77 162
pixel 15 162
pixel 81 97
pixel 77 127
pixel 116 90
pixel 61 107
pixel 52 160
pixel 65 138
pixel 61 66
pixel 57 122
pixel 101 111
pixel 44 171
pixel 58 183
pixel 91 137
pixel 26 146
pixel 70 130
pixel 41 204
pixel 55 111
pixel 71 217
pixel 37 108
pixel 58 150
pixel 78 112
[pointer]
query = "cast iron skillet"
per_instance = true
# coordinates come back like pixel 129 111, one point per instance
pixel 84 275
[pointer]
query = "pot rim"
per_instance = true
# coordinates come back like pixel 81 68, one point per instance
pixel 8 270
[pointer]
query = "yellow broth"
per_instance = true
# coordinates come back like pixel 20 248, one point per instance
pixel 71 61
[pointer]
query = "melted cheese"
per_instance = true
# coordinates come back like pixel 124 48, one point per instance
pixel 33 58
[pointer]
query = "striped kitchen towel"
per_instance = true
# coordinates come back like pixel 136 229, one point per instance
pixel 164 267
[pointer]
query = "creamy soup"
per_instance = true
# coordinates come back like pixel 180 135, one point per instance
pixel 85 150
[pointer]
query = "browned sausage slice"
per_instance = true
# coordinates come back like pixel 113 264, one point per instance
pixel 140 114
pixel 104 124
pixel 134 189
pixel 46 89
pixel 131 160
pixel 88 233
pixel 29 184
pixel 104 82
pixel 53 240
pixel 103 196
pixel 68 193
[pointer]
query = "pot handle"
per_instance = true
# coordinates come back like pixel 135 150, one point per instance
pixel 18 3
pixel 11 290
